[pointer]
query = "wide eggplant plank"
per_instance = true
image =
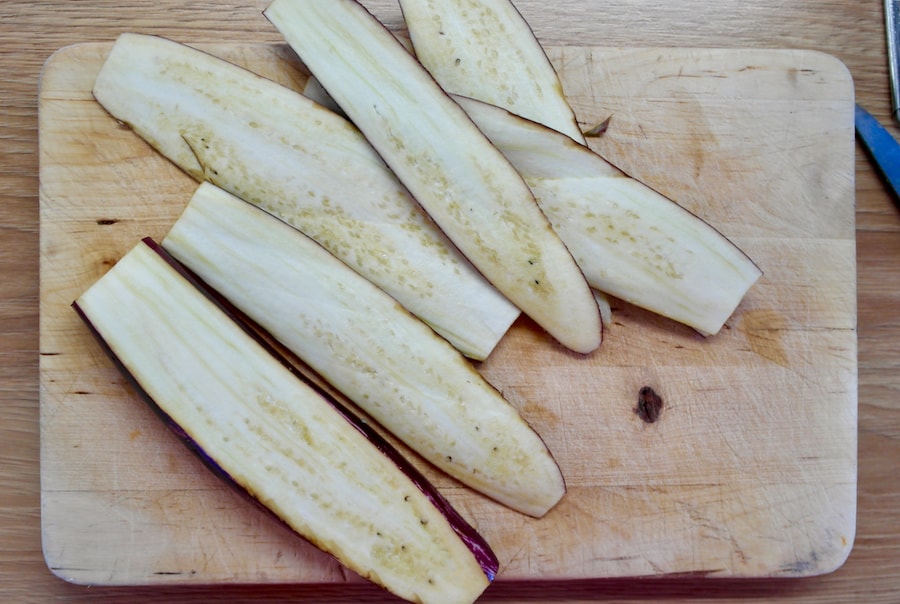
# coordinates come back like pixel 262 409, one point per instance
pixel 750 469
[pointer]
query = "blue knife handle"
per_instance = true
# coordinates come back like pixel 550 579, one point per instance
pixel 883 149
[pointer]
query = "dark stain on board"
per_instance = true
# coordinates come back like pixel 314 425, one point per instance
pixel 649 405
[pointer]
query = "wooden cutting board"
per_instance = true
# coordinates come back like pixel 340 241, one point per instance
pixel 750 469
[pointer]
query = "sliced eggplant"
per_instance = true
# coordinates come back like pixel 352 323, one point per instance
pixel 459 177
pixel 631 241
pixel 310 167
pixel 369 348
pixel 263 429
pixel 484 49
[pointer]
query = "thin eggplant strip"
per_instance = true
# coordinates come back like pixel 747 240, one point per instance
pixel 629 240
pixel 301 162
pixel 296 452
pixel 484 49
pixel 471 191
pixel 369 348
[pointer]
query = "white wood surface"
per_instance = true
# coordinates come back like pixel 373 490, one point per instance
pixel 751 469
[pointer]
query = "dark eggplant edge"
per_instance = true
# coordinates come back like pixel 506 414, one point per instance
pixel 477 545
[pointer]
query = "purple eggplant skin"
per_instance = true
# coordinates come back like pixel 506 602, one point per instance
pixel 479 547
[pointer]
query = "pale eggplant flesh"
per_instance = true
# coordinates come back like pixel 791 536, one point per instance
pixel 277 438
pixel 485 49
pixel 275 148
pixel 630 241
pixel 470 190
pixel 378 355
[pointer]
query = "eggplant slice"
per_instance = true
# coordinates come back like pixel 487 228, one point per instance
pixel 485 49
pixel 280 440
pixel 368 347
pixel 629 240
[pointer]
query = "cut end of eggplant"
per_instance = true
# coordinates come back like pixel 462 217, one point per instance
pixel 629 240
pixel 306 459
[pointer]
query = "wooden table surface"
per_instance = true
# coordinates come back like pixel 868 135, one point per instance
pixel 852 32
